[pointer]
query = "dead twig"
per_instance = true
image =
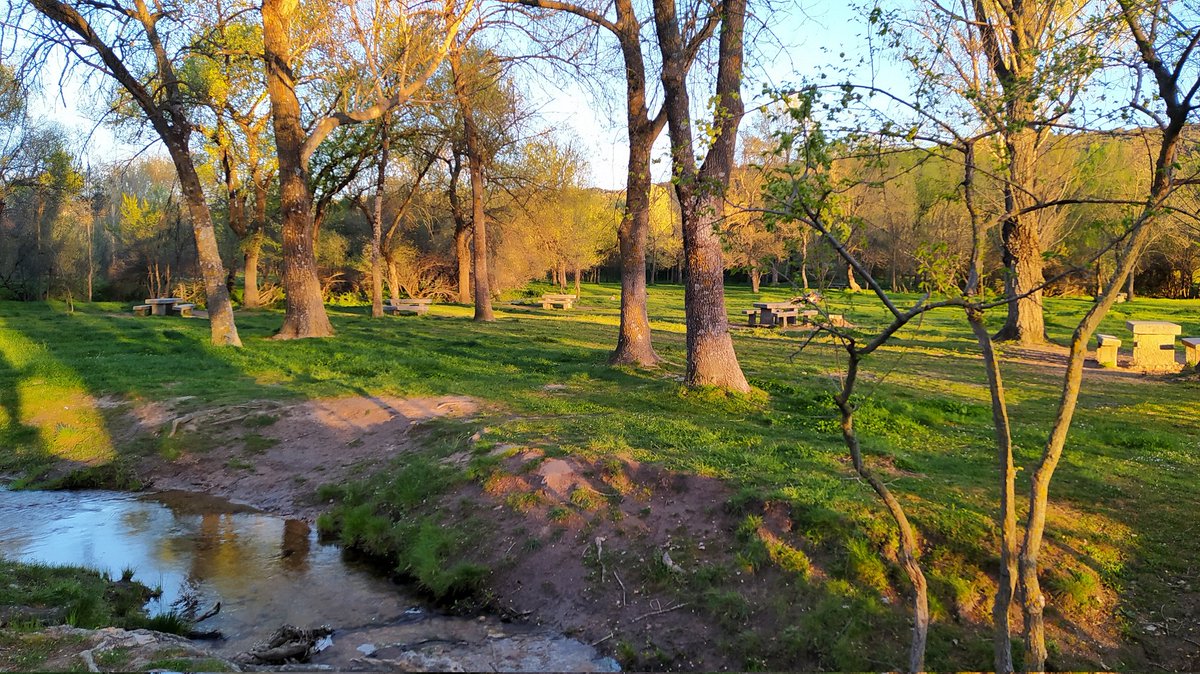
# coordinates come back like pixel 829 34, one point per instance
pixel 610 635
pixel 658 612
pixel 622 584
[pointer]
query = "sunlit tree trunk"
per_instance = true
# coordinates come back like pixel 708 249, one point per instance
pixel 377 225
pixel 711 360
pixel 479 259
pixel 305 313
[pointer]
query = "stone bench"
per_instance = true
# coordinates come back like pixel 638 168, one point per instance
pixel 141 310
pixel 751 316
pixel 184 310
pixel 1106 350
pixel 1191 350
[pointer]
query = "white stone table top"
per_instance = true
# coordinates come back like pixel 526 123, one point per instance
pixel 1153 327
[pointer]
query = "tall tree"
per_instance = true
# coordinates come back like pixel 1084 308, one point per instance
pixel 711 360
pixel 1040 57
pixel 136 26
pixel 424 35
pixel 634 346
pixel 466 83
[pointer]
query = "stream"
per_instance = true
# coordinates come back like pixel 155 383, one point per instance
pixel 267 571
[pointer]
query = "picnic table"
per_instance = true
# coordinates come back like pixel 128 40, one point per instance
pixel 161 306
pixel 551 300
pixel 1154 343
pixel 411 306
pixel 773 313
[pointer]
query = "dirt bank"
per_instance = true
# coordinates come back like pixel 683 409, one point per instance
pixel 273 456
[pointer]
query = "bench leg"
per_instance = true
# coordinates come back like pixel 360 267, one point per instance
pixel 1191 354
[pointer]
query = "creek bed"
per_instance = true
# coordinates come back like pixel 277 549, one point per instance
pixel 265 571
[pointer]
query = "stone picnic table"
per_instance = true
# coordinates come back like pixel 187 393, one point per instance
pixel 161 306
pixel 1153 343
pixel 771 313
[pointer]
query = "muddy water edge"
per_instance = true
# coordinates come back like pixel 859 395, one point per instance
pixel 267 571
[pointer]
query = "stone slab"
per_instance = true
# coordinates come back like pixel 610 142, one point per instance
pixel 1153 327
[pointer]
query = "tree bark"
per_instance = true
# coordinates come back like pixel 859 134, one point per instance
pixel 711 360
pixel 305 313
pixel 1006 583
pixel 755 279
pixel 578 291
pixel 479 259
pixel 1022 247
pixel 908 540
pixel 377 225
pixel 851 282
pixel 251 298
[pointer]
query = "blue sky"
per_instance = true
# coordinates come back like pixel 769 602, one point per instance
pixel 796 41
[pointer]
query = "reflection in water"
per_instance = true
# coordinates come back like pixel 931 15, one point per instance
pixel 265 571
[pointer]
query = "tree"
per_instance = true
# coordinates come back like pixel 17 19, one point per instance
pixel 711 360
pixel 634 345
pixel 137 29
pixel 224 74
pixel 1021 67
pixel 391 29
pixel 465 84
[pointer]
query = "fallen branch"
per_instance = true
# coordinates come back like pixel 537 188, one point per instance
pixel 659 612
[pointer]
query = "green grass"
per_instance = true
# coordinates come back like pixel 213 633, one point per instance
pixel 75 595
pixel 1124 494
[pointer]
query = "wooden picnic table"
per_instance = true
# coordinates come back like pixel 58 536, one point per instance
pixel 161 306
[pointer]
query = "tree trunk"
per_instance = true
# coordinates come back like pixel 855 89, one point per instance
pixel 1021 244
pixel 755 279
pixel 711 360
pixel 633 336
pixel 804 262
pixel 462 231
pixel 578 292
pixel 91 253
pixel 1006 583
pixel 1128 290
pixel 909 546
pixel 220 309
pixel 483 295
pixel 251 299
pixel 851 282
pixel 775 272
pixel 305 313
pixel 377 225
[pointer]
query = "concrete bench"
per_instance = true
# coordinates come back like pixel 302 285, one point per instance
pixel 141 310
pixel 786 317
pixel 1106 350
pixel 751 316
pixel 185 310
pixel 1191 350
pixel 550 301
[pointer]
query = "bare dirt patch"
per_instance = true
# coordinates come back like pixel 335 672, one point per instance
pixel 273 456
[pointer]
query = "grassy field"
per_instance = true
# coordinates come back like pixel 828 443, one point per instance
pixel 1123 531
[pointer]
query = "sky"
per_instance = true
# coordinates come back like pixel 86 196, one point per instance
pixel 796 41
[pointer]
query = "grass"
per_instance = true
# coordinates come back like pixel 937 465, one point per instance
pixel 73 595
pixel 1123 495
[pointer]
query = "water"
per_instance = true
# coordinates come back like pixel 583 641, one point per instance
pixel 264 570
pixel 267 571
